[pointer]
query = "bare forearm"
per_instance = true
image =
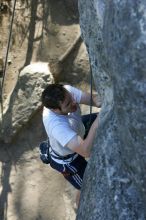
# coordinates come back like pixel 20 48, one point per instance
pixel 86 99
pixel 96 101
pixel 83 147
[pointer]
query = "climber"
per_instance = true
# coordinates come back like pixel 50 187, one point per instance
pixel 70 143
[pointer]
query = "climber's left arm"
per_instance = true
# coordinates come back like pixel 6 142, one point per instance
pixel 85 99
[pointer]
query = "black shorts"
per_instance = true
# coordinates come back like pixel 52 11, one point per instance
pixel 73 172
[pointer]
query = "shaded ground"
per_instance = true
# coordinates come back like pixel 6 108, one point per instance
pixel 29 189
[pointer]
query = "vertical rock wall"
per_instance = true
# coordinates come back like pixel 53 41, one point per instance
pixel 115 180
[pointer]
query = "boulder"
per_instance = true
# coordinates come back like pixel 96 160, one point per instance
pixel 25 100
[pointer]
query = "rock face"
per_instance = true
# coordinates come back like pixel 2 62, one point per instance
pixel 114 184
pixel 24 101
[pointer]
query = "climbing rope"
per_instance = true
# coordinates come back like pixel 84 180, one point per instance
pixel 91 91
pixel 8 47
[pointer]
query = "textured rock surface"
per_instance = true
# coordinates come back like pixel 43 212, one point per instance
pixel 114 185
pixel 24 101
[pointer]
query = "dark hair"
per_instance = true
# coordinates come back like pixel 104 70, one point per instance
pixel 52 95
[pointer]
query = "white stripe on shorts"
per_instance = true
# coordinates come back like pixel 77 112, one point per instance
pixel 76 177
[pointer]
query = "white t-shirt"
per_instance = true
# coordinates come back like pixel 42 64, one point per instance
pixel 63 128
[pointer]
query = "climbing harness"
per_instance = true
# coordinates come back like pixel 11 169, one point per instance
pixel 45 156
pixel 45 153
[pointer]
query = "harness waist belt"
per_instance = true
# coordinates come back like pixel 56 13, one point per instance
pixel 59 157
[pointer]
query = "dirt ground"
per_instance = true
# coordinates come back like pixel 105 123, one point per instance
pixel 30 189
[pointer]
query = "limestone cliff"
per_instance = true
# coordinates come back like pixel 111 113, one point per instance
pixel 115 35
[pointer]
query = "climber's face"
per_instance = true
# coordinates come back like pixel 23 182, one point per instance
pixel 68 105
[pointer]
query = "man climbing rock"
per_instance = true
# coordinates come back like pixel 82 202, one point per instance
pixel 70 135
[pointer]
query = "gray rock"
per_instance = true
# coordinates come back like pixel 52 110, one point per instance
pixel 24 100
pixel 114 183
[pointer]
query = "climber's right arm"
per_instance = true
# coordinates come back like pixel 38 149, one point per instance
pixel 83 147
